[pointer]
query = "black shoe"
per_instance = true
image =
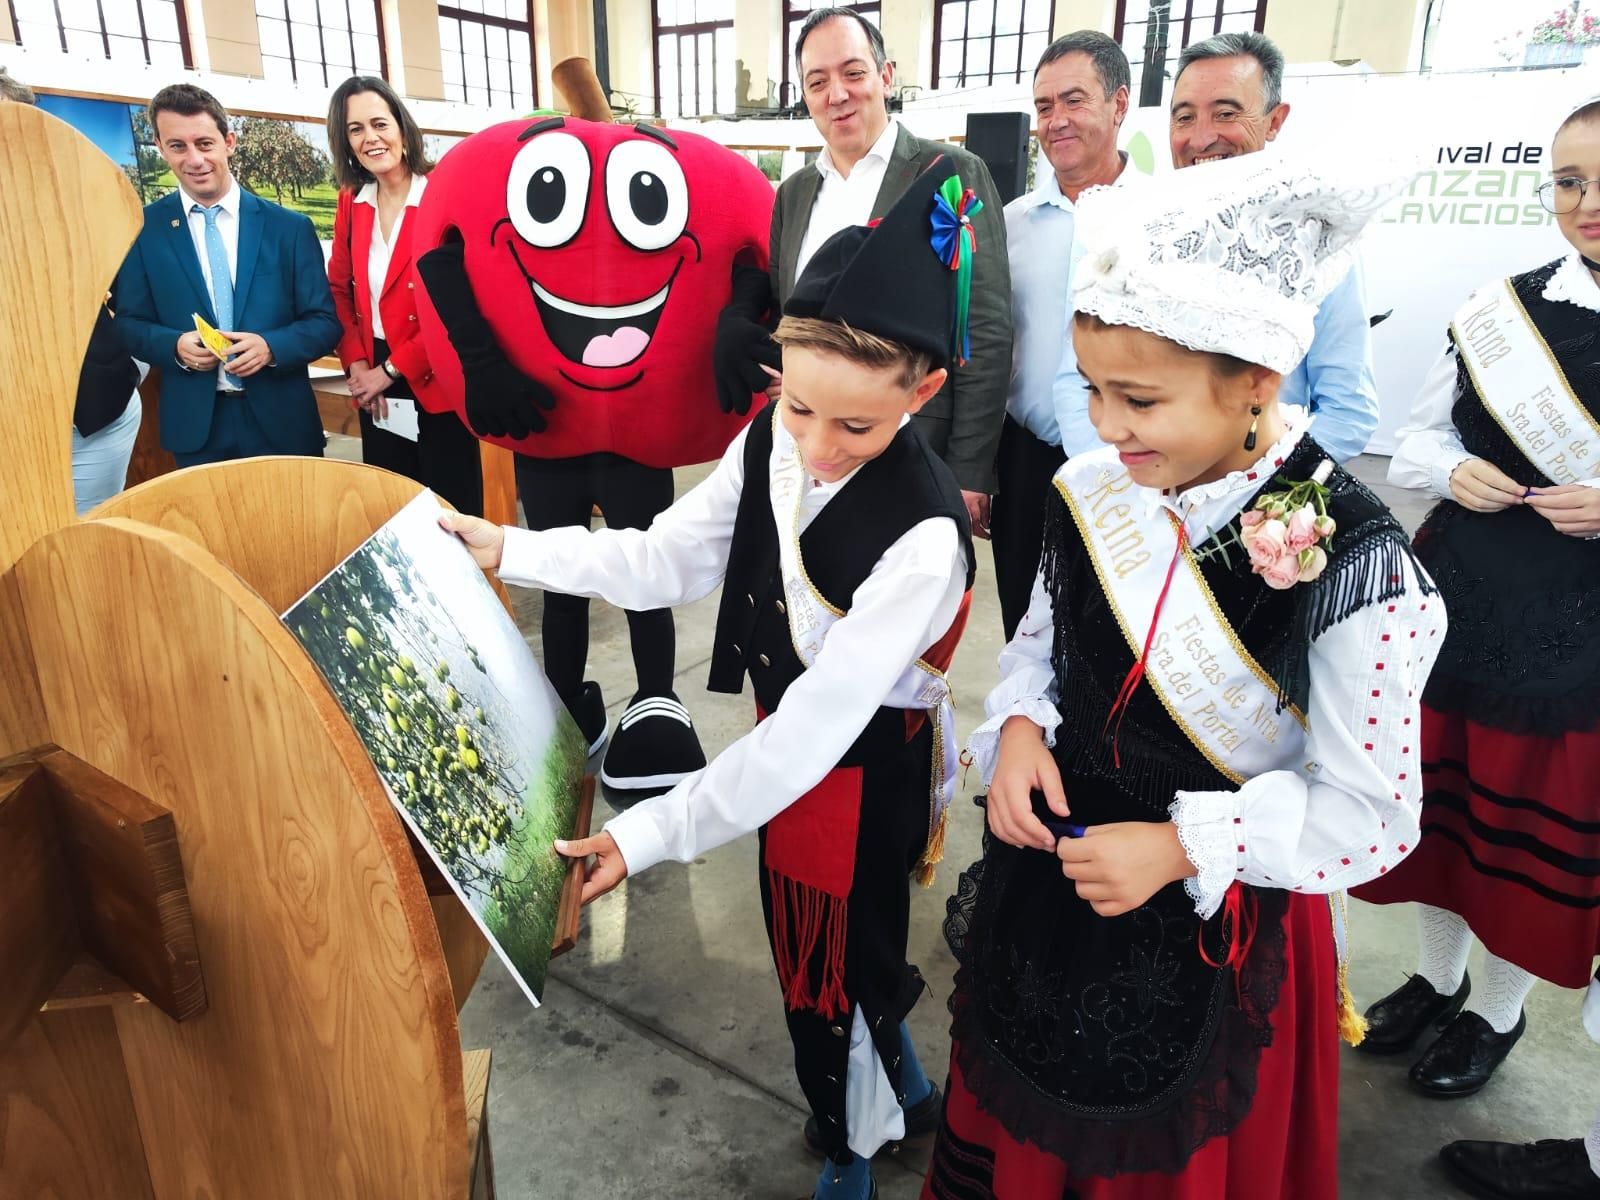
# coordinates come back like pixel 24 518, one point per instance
pixel 588 709
pixel 1400 1018
pixel 1547 1170
pixel 655 746
pixel 922 1119
pixel 1465 1057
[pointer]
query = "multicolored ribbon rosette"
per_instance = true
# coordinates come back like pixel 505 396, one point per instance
pixel 955 242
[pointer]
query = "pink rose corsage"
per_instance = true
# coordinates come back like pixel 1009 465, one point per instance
pixel 1288 534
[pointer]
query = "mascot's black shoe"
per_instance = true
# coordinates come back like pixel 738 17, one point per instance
pixel 589 711
pixel 1548 1170
pixel 655 746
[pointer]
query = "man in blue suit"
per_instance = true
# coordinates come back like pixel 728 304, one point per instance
pixel 253 270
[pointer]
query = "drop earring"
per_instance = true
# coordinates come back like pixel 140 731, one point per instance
pixel 1255 417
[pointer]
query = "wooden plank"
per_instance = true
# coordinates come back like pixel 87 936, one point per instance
pixel 570 908
pixel 463 943
pixel 133 905
pixel 38 921
pixel 87 984
pixel 475 1073
pixel 68 1128
pixel 22 722
pixel 329 1059
pixel 334 407
pixel 499 484
pixel 54 278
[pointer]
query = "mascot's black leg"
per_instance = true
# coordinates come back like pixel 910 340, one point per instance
pixel 655 744
pixel 555 493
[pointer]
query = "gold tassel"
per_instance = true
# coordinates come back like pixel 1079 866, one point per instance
pixel 933 852
pixel 1352 1025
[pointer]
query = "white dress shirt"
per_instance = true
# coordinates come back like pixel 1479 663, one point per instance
pixel 381 250
pixel 228 227
pixel 1428 448
pixel 905 605
pixel 1351 810
pixel 845 200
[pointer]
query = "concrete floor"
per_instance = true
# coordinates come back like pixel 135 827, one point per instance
pixel 659 1067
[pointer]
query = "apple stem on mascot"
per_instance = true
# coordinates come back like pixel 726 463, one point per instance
pixel 572 268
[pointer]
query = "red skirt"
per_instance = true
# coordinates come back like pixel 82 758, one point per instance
pixel 1510 842
pixel 1287 1148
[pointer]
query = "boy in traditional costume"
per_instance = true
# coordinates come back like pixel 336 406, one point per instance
pixel 843 547
pixel 1205 728
pixel 1506 432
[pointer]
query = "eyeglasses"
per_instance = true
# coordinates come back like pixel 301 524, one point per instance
pixel 1561 196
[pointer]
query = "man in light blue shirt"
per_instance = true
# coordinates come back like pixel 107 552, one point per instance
pixel 1080 97
pixel 1227 101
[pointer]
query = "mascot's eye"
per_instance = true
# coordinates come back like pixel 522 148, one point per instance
pixel 548 189
pixel 647 194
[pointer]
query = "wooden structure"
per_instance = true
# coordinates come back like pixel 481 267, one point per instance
pixel 224 972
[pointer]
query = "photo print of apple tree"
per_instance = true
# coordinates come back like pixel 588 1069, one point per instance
pixel 472 742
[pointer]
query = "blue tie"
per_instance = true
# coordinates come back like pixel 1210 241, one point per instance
pixel 221 278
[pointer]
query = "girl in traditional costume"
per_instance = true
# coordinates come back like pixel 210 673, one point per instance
pixel 1205 728
pixel 1505 432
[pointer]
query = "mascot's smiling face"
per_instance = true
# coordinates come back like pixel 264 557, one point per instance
pixel 577 223
pixel 600 255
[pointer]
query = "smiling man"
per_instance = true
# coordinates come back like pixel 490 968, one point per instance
pixel 868 161
pixel 1226 101
pixel 1080 98
pixel 253 270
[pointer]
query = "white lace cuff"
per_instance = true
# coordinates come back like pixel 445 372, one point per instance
pixel 1208 828
pixel 1444 467
pixel 983 743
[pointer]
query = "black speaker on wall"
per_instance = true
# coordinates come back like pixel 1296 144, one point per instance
pixel 1001 140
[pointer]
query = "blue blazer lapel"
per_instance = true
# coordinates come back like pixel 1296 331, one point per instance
pixel 252 216
pixel 175 221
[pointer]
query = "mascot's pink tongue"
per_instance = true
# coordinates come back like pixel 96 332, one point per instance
pixel 612 350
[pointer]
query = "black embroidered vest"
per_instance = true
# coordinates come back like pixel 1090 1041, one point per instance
pixel 1523 649
pixel 1110 1042
pixel 905 485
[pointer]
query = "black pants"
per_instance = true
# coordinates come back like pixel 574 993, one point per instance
pixel 1024 466
pixel 564 491
pixel 445 456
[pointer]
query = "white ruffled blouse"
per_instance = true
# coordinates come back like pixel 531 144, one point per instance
pixel 1346 814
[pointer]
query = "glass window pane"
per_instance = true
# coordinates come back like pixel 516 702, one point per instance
pixel 332 14
pixel 276 69
pixel 521 49
pixel 274 37
pixel 1238 22
pixel 977 60
pixel 1008 16
pixel 127 49
pixel 307 43
pixel 477 70
pixel 122 17
pixel 449 34
pixel 494 8
pixel 83 42
pixel 517 10
pixel 368 58
pixel 952 61
pixel 364 16
pixel 161 21
pixel 80 15
pixel 1033 45
pixel 166 54
pixel 952 22
pixel 304 11
pixel 1005 56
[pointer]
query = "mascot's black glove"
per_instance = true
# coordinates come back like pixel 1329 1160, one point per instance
pixel 743 342
pixel 501 401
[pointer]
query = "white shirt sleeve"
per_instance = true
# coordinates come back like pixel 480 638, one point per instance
pixel 1428 448
pixel 905 605
pixel 679 559
pixel 1027 686
pixel 1354 809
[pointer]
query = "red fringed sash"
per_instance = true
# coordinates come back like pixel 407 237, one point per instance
pixel 810 864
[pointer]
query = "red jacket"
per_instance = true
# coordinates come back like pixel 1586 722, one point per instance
pixel 352 297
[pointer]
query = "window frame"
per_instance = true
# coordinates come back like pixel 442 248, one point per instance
pixel 322 39
pixel 1119 25
pixel 1022 32
pixel 467 16
pixel 105 31
pixel 787 12
pixel 690 29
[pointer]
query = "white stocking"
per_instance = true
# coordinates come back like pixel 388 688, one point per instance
pixel 1591 1143
pixel 1446 942
pixel 1498 999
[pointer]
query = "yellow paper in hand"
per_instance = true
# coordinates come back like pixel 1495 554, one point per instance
pixel 215 342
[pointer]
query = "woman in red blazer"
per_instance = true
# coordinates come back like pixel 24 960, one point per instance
pixel 382 169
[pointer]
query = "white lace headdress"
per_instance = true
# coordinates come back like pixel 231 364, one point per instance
pixel 1232 257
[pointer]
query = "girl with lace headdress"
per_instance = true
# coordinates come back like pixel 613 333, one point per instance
pixel 1205 728
pixel 1506 432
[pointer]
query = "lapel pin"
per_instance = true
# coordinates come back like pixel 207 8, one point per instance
pixel 174 222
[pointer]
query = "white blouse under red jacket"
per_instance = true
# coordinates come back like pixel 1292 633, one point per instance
pixel 349 275
pixel 1345 814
